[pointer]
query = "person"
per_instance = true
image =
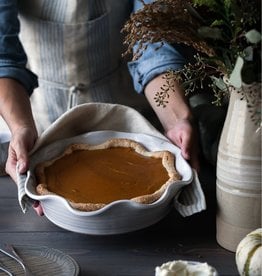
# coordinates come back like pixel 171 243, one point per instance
pixel 58 54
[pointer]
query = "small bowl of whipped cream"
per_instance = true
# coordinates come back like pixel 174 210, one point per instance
pixel 185 268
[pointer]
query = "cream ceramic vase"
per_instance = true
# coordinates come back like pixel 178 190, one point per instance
pixel 238 185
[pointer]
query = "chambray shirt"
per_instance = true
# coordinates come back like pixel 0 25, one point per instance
pixel 13 60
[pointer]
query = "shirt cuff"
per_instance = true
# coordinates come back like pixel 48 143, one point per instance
pixel 155 61
pixel 27 78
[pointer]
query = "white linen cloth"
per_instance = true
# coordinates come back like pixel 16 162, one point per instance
pixel 100 116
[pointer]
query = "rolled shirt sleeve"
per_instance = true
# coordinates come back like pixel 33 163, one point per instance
pixel 156 60
pixel 153 63
pixel 13 59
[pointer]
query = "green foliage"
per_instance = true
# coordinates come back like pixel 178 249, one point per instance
pixel 235 77
pixel 211 4
pixel 253 36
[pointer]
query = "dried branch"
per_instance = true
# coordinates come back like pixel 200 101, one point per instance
pixel 160 21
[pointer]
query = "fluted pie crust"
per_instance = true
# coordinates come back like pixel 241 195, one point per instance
pixel 123 168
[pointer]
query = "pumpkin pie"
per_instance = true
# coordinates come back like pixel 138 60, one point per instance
pixel 91 176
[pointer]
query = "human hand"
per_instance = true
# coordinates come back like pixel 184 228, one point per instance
pixel 22 141
pixel 184 136
pixel 38 208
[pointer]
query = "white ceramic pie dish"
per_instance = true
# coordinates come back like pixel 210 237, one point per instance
pixel 120 216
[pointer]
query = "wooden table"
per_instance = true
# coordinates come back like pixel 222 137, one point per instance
pixel 132 254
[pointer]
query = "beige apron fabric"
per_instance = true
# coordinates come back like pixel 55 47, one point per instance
pixel 75 47
pixel 98 116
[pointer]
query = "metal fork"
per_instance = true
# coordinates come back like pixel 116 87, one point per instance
pixel 11 252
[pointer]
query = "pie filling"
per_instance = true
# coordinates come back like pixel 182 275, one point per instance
pixel 103 174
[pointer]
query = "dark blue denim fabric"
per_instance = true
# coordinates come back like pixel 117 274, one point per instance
pixel 13 59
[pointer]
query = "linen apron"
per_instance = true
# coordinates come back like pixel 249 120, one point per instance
pixel 75 47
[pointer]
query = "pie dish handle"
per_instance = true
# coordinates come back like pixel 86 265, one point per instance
pixel 190 199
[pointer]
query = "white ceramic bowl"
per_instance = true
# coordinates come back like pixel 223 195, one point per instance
pixel 120 216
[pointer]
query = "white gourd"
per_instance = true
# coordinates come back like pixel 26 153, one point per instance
pixel 249 254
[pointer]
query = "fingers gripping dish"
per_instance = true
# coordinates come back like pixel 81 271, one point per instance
pixel 91 176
